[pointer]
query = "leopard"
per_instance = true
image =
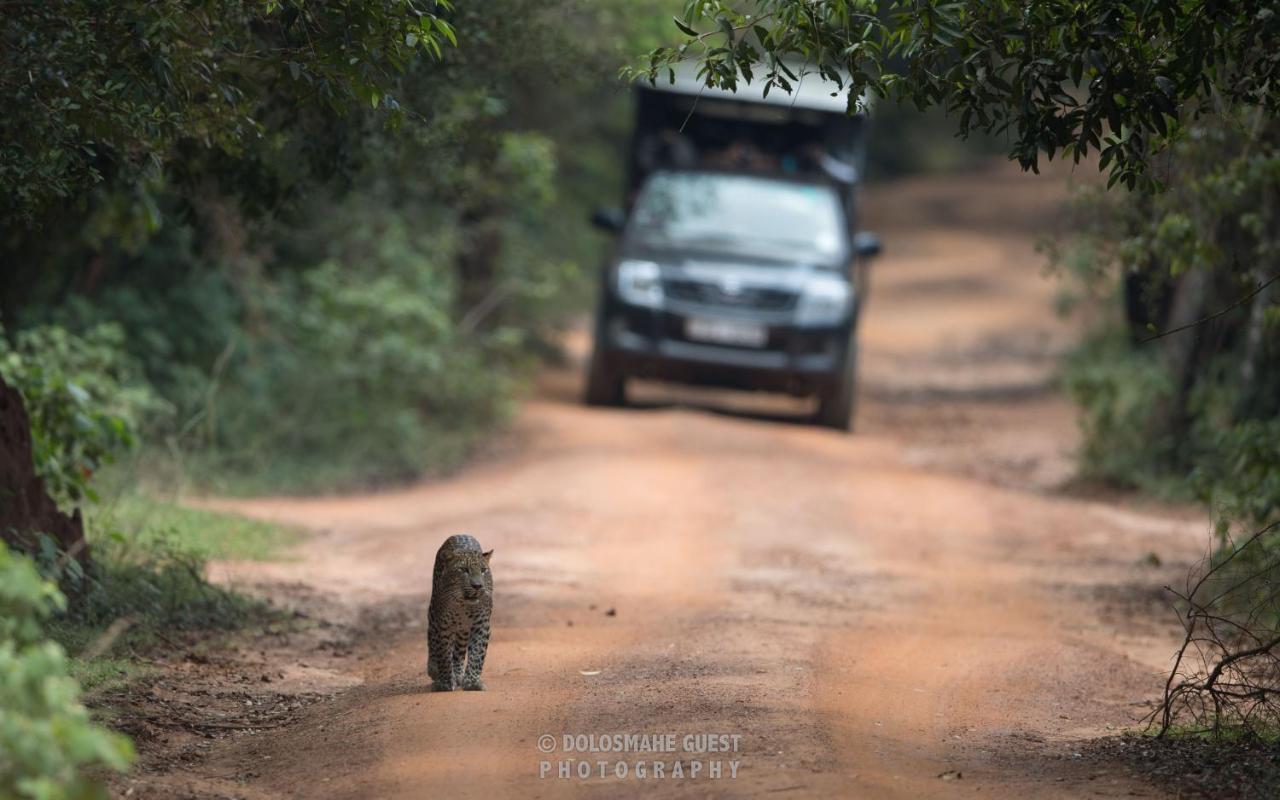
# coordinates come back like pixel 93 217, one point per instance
pixel 458 615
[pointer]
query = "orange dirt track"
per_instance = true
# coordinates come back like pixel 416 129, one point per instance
pixel 918 609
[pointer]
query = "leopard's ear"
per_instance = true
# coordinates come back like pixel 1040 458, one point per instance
pixel 486 556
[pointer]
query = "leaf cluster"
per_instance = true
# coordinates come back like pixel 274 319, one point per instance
pixel 48 743
pixel 85 401
pixel 98 92
pixel 1058 77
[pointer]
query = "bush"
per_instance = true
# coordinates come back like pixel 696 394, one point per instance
pixel 1185 399
pixel 87 404
pixel 1184 393
pixel 159 592
pixel 354 363
pixel 357 375
pixel 47 741
pixel 1241 477
pixel 1116 388
pixel 178 309
pixel 1232 465
pixel 148 574
pixel 84 398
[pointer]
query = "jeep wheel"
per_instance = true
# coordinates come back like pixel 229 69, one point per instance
pixel 836 402
pixel 606 385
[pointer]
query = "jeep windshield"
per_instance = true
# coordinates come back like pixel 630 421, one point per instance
pixel 748 214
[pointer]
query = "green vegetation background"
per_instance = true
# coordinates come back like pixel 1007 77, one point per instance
pixel 353 297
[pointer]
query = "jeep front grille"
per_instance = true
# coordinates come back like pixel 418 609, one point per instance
pixel 747 297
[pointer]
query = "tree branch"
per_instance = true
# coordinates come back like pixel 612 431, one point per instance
pixel 1216 314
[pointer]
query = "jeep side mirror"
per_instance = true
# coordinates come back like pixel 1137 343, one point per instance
pixel 610 220
pixel 866 244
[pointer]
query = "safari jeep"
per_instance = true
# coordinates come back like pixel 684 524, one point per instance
pixel 737 262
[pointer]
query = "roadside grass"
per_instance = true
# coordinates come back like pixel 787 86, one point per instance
pixel 257 468
pixel 1226 735
pixel 159 524
pixel 97 675
pixel 146 593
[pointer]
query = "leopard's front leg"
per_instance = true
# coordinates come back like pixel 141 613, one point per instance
pixel 459 656
pixel 440 667
pixel 477 647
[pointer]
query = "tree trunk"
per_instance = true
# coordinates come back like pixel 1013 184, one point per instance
pixel 1257 388
pixel 477 261
pixel 1182 351
pixel 26 509
pixel 1254 347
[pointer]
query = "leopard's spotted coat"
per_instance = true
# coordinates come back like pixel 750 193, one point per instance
pixel 458 618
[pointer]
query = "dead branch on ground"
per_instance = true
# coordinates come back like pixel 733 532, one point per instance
pixel 1226 673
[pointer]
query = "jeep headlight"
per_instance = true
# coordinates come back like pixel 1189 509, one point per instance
pixel 826 300
pixel 640 283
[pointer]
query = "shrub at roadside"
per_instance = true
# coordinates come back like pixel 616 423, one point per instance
pixel 151 585
pixel 1180 386
pixel 84 398
pixel 357 372
pixel 368 346
pixel 1179 392
pixel 1117 388
pixel 47 741
pixel 87 405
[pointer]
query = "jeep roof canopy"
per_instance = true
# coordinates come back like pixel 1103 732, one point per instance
pixel 685 124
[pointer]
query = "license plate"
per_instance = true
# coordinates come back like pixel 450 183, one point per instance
pixel 726 331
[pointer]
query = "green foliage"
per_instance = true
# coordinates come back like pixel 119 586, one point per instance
pixel 178 307
pixel 1126 396
pixel 359 364
pixel 1233 469
pixel 85 402
pixel 1241 473
pixel 109 91
pixel 47 741
pixel 158 587
pixel 26 599
pixel 1185 399
pixel 322 298
pixel 1198 408
pixel 1118 390
pixel 1219 207
pixel 1062 76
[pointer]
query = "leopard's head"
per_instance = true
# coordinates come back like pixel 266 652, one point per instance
pixel 470 572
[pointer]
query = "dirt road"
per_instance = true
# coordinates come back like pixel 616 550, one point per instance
pixel 915 610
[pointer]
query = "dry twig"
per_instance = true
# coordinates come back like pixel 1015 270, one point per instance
pixel 1226 673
